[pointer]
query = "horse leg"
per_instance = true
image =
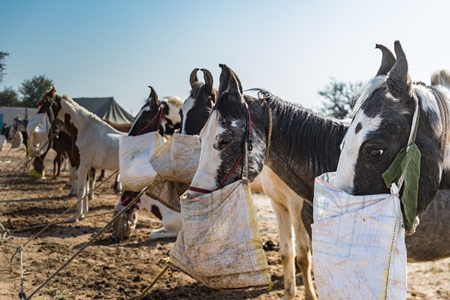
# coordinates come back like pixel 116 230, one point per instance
pixel 286 246
pixel 102 175
pixel 82 174
pixel 64 160
pixel 117 184
pixel 73 180
pixel 171 220
pixel 56 161
pixel 302 245
pixel 91 184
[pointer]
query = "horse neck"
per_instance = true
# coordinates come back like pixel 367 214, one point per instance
pixel 303 145
pixel 84 119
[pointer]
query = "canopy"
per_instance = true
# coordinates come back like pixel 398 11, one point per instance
pixel 106 108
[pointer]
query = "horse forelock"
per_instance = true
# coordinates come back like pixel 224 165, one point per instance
pixel 367 90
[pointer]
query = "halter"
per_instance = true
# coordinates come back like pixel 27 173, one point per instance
pixel 161 117
pixel 248 146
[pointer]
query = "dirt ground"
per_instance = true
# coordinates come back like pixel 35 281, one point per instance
pixel 121 270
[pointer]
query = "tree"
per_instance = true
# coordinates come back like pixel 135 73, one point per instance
pixel 3 55
pixel 340 98
pixel 32 90
pixel 9 97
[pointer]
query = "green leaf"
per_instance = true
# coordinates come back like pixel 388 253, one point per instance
pixel 406 164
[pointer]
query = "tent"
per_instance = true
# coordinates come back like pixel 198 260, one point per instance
pixel 106 108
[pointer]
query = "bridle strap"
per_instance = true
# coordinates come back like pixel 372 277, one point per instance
pixel 247 147
pixel 160 117
pixel 443 109
pixel 412 134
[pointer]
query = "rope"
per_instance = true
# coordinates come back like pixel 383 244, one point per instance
pixel 15 171
pixel 116 217
pixel 445 116
pixel 269 134
pixel 55 221
pixel 147 289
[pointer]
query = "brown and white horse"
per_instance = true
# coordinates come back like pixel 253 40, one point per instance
pixel 96 142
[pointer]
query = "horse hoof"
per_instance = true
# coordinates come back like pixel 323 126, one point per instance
pixel 161 233
pixel 75 218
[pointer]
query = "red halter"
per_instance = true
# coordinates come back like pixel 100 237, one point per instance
pixel 249 148
pixel 160 116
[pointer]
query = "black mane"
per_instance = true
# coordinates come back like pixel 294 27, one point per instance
pixel 310 137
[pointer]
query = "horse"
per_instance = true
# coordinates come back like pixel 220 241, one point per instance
pixel 95 142
pixel 5 131
pixel 385 117
pixel 20 125
pixel 286 204
pixel 155 115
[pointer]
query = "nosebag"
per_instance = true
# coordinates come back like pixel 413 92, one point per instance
pixel 175 164
pixel 220 243
pixel 38 129
pixel 135 152
pixel 358 244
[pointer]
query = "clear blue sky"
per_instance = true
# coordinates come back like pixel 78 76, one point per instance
pixel 292 48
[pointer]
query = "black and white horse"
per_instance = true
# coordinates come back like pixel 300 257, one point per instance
pixel 19 125
pixel 385 116
pixel 286 203
pixel 162 116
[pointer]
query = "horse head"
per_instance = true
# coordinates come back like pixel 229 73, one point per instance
pixel 384 124
pixel 157 115
pixel 231 135
pixel 197 108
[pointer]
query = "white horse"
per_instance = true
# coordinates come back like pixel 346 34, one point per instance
pixel 96 141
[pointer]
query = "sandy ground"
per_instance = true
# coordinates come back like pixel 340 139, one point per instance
pixel 121 270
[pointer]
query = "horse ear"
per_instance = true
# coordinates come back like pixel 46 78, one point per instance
pixel 229 82
pixel 208 78
pixel 399 81
pixel 387 60
pixel 153 98
pixel 209 84
pixel 193 77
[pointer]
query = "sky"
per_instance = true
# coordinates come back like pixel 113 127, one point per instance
pixel 291 48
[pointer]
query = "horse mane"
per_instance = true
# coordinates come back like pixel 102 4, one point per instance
pixel 441 77
pixel 306 131
pixel 80 109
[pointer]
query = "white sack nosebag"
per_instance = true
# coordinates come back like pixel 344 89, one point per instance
pixel 358 244
pixel 220 243
pixel 2 142
pixel 177 160
pixel 135 152
pixel 38 129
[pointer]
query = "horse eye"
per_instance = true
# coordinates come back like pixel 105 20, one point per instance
pixel 225 139
pixel 376 152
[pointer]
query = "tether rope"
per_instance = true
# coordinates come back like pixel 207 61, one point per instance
pixel 148 288
pixel 443 109
pixel 47 226
pixel 115 218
